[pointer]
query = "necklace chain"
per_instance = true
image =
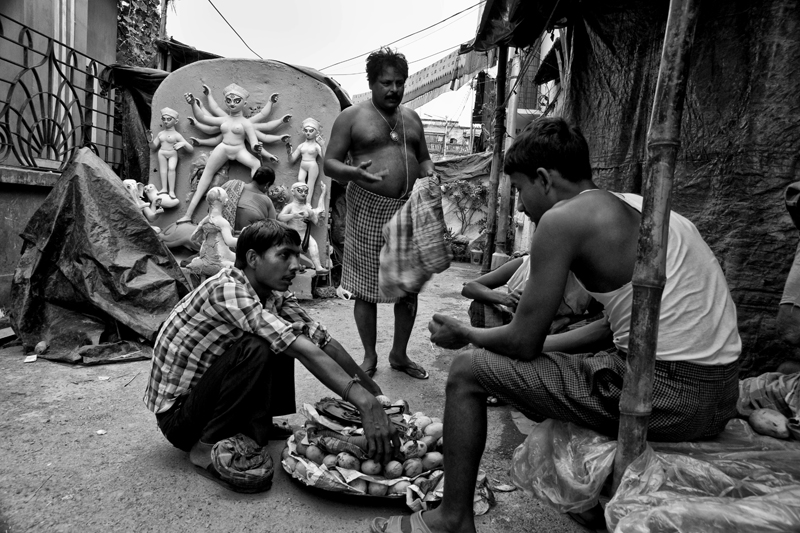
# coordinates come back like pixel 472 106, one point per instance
pixel 392 134
pixel 396 138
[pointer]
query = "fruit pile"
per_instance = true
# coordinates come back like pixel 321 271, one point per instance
pixel 337 460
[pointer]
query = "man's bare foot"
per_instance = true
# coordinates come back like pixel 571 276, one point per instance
pixel 200 454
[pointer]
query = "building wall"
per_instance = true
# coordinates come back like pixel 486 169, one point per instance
pixel 92 31
pixel 21 194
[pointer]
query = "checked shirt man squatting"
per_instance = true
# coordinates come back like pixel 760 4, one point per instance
pixel 223 362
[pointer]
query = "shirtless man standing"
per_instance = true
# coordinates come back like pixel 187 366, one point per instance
pixel 387 145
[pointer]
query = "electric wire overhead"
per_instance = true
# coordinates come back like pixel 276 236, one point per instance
pixel 234 29
pixel 409 35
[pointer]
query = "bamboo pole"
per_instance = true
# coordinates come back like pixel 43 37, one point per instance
pixel 497 157
pixel 663 141
pixel 504 188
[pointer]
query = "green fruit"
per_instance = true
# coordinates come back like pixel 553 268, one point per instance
pixel 377 489
pixel 315 454
pixel 432 460
pixel 393 469
pixel 359 484
pixel 371 468
pixel 412 467
pixel 399 487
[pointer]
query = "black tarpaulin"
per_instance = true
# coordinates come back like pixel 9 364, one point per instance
pixel 136 86
pixel 740 135
pixel 518 23
pixel 91 262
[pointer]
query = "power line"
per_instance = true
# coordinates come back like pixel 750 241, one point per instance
pixel 407 36
pixel 410 62
pixel 234 29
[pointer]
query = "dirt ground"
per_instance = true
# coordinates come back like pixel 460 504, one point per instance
pixel 58 474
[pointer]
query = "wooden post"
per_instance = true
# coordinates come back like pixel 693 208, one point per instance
pixel 497 157
pixel 663 141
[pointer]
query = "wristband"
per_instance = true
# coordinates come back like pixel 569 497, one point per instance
pixel 349 385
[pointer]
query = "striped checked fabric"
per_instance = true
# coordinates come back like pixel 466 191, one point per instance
pixel 363 239
pixel 690 401
pixel 488 315
pixel 241 462
pixel 208 321
pixel 415 248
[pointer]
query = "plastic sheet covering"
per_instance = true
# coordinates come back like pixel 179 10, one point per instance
pixel 771 390
pixel 738 481
pixel 681 494
pixel 564 465
pixel 89 252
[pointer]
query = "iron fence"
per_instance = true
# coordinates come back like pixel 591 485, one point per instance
pixel 52 101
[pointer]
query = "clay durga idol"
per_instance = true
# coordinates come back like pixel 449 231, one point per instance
pixel 232 129
pixel 310 152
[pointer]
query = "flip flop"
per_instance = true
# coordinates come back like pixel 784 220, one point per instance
pixel 211 473
pixel 494 401
pixel 412 369
pixel 280 431
pixel 395 524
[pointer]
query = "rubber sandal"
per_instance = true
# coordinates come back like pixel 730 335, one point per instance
pixel 280 431
pixel 494 401
pixel 211 473
pixel 394 524
pixel 412 369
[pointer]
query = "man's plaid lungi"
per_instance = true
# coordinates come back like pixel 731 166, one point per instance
pixel 363 239
pixel 690 401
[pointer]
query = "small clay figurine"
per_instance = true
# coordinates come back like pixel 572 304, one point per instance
pixel 310 149
pixel 151 208
pixel 214 236
pixel 234 128
pixel 168 142
pixel 298 215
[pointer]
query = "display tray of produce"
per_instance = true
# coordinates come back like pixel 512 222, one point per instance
pixel 330 453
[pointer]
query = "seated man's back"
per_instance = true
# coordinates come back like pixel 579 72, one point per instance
pixel 697 320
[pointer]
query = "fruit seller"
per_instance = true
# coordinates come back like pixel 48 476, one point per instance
pixel 223 362
pixel 594 234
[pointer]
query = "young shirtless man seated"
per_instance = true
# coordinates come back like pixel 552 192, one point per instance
pixel 594 234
